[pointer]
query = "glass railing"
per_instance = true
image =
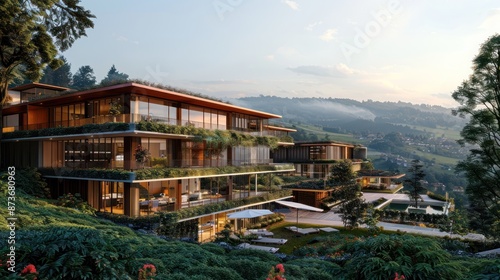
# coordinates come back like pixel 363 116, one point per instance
pixel 135 118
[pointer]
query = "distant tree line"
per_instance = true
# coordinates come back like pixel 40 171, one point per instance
pixel 83 78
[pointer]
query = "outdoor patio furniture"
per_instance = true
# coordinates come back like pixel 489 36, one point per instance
pixel 303 230
pixel 257 247
pixel 261 232
pixel 269 240
pixel 329 229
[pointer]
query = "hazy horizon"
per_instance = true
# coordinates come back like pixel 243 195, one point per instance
pixel 395 50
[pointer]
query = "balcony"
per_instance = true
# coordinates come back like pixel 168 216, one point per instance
pixel 136 118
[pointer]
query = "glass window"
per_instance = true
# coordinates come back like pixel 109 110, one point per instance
pixel 196 116
pixel 158 110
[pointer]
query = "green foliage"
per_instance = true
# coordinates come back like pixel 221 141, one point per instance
pixel 414 181
pixel 83 78
pixel 371 220
pixel 250 269
pixel 30 181
pixel 488 269
pixel 159 162
pixel 58 77
pixel 76 253
pixel 169 219
pixel 216 140
pixel 414 257
pixel 115 108
pixel 213 273
pixel 114 76
pixel 456 222
pixel 436 196
pixel 75 201
pixel 341 173
pixel 136 222
pixel 113 174
pixel 33 31
pixel 478 99
pixel 64 243
pixel 160 172
pixel 316 268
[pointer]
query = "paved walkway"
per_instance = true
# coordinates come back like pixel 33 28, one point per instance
pixel 332 219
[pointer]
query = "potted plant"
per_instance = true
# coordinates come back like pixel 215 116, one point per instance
pixel 115 109
pixel 141 155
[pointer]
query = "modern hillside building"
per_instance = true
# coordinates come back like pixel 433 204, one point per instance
pixel 134 149
pixel 315 159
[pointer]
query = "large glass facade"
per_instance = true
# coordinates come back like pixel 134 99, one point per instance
pixel 203 117
pixel 84 153
pixel 250 155
pixel 153 109
pixel 112 197
pixel 10 123
pixel 160 151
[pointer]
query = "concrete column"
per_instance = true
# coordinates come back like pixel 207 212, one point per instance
pixel 131 200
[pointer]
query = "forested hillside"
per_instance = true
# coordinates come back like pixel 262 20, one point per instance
pixel 398 131
pixel 333 112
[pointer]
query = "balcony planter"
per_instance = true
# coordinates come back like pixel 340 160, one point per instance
pixel 132 176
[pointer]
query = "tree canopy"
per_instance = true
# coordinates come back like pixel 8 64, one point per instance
pixel 479 99
pixel 114 76
pixel 58 77
pixel 32 33
pixel 84 78
pixel 414 181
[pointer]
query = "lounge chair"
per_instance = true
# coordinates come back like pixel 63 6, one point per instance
pixel 261 232
pixel 256 247
pixel 268 240
pixel 303 230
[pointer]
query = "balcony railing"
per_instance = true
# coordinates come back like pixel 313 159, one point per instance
pixel 133 118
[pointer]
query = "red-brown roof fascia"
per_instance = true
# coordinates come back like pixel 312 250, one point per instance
pixel 38 85
pixel 140 89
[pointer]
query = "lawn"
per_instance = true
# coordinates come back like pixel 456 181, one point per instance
pixel 298 240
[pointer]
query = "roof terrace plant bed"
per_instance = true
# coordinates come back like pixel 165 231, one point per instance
pixel 214 138
pixel 110 174
pixel 159 172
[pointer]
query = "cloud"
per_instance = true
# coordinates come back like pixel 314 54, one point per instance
pixel 340 70
pixel 292 4
pixel 122 38
pixel 270 57
pixel 492 20
pixel 311 26
pixel 328 35
pixel 287 51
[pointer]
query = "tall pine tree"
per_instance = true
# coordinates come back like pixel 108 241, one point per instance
pixel 414 181
pixel 83 78
pixel 114 77
pixel 60 76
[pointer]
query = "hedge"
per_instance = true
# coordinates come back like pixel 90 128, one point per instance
pixel 160 172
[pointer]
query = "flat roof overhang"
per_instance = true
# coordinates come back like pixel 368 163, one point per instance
pixel 396 176
pixel 136 88
pixel 97 135
pixel 38 85
pixel 169 179
pixel 235 208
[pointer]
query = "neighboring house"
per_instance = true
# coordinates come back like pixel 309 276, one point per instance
pixel 315 159
pixel 379 180
pixel 111 145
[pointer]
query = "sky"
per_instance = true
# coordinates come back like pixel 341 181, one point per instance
pixel 380 50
